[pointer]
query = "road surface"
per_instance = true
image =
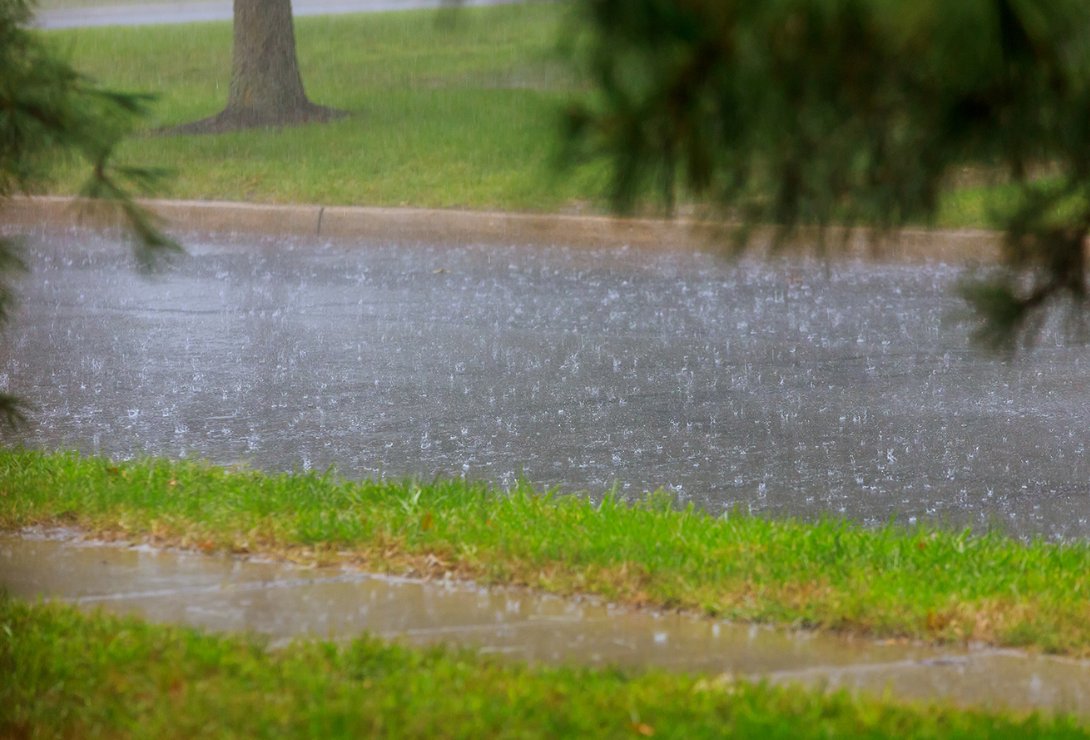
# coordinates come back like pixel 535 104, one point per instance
pixel 220 10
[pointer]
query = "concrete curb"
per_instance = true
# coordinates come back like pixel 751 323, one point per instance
pixel 423 225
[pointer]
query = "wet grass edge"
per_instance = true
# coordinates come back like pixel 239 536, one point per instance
pixel 892 582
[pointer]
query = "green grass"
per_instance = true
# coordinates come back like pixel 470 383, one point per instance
pixel 891 582
pixel 65 674
pixel 462 113
pixel 458 114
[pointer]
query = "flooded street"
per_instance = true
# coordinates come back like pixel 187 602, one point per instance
pixel 778 388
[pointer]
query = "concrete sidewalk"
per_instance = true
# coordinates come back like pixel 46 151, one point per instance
pixel 285 602
pixel 202 11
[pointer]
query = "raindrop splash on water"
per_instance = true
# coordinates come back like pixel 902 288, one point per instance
pixel 779 388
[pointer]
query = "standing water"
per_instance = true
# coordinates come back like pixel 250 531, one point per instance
pixel 782 388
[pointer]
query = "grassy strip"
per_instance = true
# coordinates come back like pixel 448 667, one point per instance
pixel 65 674
pixel 461 114
pixel 891 582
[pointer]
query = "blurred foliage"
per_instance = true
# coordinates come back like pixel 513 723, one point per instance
pixel 47 109
pixel 858 113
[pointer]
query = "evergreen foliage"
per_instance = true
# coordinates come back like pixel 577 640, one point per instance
pixel 49 109
pixel 858 112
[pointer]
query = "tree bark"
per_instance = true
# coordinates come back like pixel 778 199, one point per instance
pixel 266 87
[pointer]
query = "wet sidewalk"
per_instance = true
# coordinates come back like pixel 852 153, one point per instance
pixel 285 602
pixel 136 13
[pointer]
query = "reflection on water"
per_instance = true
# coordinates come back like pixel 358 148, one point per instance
pixel 775 388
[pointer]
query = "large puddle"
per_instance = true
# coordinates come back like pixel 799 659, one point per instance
pixel 283 603
pixel 775 388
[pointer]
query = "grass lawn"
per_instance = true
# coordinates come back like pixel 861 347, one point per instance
pixel 892 582
pixel 445 114
pixel 456 114
pixel 65 674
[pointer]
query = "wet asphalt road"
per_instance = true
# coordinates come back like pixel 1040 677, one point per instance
pixel 774 388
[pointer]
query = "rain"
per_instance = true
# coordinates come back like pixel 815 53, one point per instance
pixel 792 388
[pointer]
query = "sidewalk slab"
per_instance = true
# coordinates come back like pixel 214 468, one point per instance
pixel 204 11
pixel 285 602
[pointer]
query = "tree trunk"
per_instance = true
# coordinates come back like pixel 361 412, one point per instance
pixel 266 87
